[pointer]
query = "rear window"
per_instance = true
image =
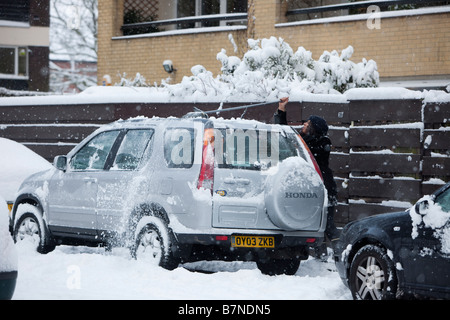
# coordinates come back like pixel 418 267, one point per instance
pixel 255 148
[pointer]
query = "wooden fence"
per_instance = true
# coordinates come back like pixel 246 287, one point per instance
pixel 386 153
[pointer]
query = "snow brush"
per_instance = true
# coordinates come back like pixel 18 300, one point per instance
pixel 204 114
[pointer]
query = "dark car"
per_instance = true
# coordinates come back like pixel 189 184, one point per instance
pixel 402 254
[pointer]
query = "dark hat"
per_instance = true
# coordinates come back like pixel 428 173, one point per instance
pixel 319 124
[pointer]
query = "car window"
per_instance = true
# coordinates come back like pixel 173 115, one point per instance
pixel 179 147
pixel 93 155
pixel 253 149
pixel 132 149
pixel 444 200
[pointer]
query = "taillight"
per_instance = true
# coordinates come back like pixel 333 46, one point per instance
pixel 316 166
pixel 206 177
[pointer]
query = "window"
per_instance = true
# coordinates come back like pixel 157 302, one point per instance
pixel 136 11
pixel 13 62
pixel 132 149
pixel 94 154
pixel 444 200
pixel 154 16
pixel 254 149
pixel 179 147
pixel 312 9
pixel 17 10
pixel 189 8
pixel 210 7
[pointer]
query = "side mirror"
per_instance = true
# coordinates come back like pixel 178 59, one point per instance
pixel 60 163
pixel 421 207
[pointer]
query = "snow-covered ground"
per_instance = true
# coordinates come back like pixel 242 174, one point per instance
pixel 91 273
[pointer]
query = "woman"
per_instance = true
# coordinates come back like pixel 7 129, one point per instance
pixel 314 133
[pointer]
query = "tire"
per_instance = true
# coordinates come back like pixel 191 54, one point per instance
pixel 274 267
pixel 372 275
pixel 153 243
pixel 30 227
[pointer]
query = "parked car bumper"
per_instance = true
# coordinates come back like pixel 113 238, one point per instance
pixel 226 239
pixel 340 259
pixel 225 247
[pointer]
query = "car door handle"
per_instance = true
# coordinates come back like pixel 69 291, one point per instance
pixel 229 181
pixel 90 180
pixel 243 181
pixel 236 180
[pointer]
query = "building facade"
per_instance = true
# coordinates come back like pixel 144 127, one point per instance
pixel 409 42
pixel 24 44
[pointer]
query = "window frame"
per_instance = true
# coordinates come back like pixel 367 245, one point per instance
pixel 200 9
pixel 186 18
pixel 120 141
pixel 109 156
pixel 16 74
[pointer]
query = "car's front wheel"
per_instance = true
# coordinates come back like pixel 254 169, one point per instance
pixel 30 227
pixel 372 274
pixel 154 244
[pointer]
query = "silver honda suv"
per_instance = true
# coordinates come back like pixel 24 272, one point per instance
pixel 178 190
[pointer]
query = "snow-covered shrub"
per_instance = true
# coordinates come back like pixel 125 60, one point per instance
pixel 272 58
pixel 271 69
pixel 138 81
pixel 275 59
pixel 201 83
pixel 229 64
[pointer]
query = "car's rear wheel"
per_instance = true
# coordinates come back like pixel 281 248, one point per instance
pixel 31 228
pixel 154 244
pixel 274 267
pixel 372 274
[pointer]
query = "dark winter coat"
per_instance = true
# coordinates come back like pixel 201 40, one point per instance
pixel 320 147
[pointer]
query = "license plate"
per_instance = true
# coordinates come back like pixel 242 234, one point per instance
pixel 253 242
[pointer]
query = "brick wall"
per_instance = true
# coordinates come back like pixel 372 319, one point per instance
pixel 146 54
pixel 403 46
pixel 410 46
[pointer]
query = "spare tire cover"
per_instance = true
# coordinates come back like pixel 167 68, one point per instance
pixel 294 195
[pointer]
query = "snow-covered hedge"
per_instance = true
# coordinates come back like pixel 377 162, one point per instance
pixel 271 69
